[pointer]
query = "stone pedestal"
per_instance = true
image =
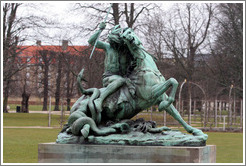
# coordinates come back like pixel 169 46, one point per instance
pixel 91 153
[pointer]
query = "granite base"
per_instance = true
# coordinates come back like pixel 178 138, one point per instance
pixel 91 153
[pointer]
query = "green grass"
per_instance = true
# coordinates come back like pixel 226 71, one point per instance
pixel 229 146
pixel 21 145
pixel 27 119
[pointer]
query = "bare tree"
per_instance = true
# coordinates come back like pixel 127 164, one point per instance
pixel 45 60
pixel 70 70
pixel 185 32
pixel 11 63
pixel 182 32
pixel 16 30
pixel 127 14
pixel 58 81
pixel 69 83
pixel 227 51
pixel 59 60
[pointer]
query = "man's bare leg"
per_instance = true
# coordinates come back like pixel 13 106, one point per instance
pixel 111 88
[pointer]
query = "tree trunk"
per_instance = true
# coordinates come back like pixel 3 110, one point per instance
pixel 68 104
pixel 25 98
pixel 58 84
pixel 68 91
pixel 115 8
pixel 190 103
pixel 6 96
pixel 24 103
pixel 57 102
pixel 46 68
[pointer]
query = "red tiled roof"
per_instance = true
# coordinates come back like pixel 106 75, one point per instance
pixel 31 51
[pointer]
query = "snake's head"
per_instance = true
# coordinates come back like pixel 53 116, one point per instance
pixel 69 130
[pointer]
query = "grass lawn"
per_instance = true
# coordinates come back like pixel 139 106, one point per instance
pixel 28 119
pixel 21 145
pixel 229 146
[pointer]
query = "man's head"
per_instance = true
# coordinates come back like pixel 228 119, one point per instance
pixel 114 36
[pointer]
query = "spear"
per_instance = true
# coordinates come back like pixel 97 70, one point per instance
pixel 100 31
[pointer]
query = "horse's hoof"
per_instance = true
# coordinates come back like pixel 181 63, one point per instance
pixel 198 132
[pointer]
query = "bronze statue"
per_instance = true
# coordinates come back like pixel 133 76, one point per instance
pixel 132 83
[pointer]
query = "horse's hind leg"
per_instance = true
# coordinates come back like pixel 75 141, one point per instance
pixel 161 88
pixel 175 114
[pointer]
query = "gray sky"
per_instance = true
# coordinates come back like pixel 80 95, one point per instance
pixel 61 13
pixel 58 12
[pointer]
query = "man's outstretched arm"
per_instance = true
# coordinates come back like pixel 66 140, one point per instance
pixel 93 38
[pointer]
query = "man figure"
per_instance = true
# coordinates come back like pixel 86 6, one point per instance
pixel 116 62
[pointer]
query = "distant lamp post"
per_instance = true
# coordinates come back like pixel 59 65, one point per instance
pixel 180 90
pixel 230 112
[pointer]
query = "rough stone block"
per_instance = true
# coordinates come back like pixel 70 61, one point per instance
pixel 88 153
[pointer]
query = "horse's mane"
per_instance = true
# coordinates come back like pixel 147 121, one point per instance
pixel 140 46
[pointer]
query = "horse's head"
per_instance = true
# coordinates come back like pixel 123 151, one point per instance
pixel 130 38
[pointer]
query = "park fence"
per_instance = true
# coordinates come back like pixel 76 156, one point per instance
pixel 218 115
pixel 207 114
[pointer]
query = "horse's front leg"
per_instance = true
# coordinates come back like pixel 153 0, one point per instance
pixel 161 88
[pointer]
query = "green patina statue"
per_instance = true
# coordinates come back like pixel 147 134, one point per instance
pixel 131 83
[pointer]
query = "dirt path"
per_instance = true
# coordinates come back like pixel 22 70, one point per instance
pixel 30 127
pixel 45 112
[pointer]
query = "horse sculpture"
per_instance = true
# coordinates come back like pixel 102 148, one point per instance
pixel 150 87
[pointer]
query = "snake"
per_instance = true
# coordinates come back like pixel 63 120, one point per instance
pixel 91 106
pixel 95 93
pixel 83 123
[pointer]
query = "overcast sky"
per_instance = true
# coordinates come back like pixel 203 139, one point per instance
pixel 60 12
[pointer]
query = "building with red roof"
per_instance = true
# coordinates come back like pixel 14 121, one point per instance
pixel 31 54
pixel 39 58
